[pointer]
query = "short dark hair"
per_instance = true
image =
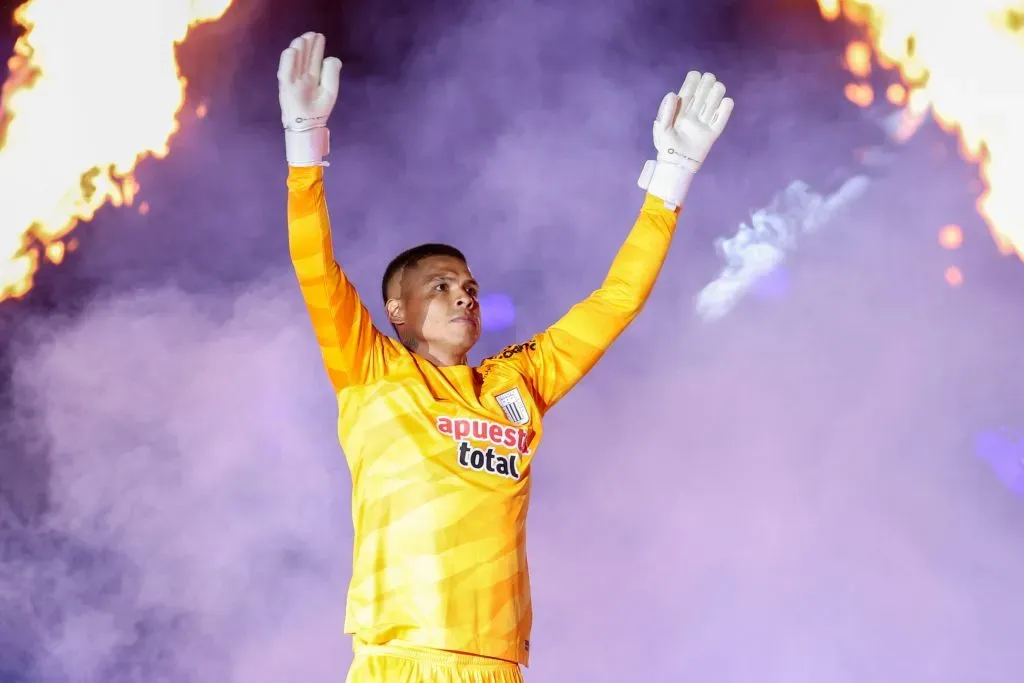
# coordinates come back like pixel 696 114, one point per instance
pixel 410 257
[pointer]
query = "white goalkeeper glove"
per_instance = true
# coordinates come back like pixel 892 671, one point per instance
pixel 307 89
pixel 687 126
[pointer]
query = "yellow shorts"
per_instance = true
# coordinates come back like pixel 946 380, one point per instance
pixel 397 664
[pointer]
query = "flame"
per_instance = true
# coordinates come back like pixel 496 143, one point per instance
pixel 951 237
pixel 93 89
pixel 959 60
pixel 954 278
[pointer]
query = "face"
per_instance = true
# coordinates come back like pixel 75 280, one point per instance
pixel 439 305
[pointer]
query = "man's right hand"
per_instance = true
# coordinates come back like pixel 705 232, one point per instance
pixel 307 89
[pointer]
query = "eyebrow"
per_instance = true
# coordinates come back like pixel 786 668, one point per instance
pixel 444 277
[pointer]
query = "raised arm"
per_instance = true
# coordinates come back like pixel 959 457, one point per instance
pixel 559 357
pixel 354 351
pixel 687 125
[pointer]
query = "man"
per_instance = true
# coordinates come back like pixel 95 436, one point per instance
pixel 440 452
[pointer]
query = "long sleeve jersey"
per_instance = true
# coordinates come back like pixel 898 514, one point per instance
pixel 440 456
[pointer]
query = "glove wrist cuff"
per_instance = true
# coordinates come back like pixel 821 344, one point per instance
pixel 668 182
pixel 307 147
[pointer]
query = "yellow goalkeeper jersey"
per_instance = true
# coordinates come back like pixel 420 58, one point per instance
pixel 440 456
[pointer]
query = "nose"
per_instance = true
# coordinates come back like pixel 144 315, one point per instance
pixel 464 300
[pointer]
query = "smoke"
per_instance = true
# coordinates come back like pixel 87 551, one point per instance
pixel 786 495
pixel 188 442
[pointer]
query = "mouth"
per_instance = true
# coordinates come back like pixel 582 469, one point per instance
pixel 465 320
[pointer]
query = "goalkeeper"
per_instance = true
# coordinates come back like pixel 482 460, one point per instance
pixel 440 452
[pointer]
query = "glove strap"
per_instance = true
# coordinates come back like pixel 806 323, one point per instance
pixel 307 147
pixel 668 182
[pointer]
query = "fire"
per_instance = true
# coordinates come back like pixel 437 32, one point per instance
pixel 951 237
pixel 959 60
pixel 94 88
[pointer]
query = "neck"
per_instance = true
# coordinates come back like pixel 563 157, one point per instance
pixel 438 356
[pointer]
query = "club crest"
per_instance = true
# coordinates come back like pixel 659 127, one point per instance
pixel 513 406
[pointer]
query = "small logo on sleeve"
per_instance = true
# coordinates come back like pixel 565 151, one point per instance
pixel 513 349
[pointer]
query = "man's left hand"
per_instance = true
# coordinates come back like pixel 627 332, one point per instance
pixel 687 125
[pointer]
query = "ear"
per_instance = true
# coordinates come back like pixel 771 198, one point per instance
pixel 396 313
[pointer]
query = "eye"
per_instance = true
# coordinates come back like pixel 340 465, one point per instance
pixel 441 287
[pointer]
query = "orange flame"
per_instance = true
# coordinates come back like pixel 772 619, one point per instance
pixel 958 59
pixel 94 88
pixel 951 237
pixel 954 278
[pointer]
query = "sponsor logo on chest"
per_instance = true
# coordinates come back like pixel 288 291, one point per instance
pixel 504 449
